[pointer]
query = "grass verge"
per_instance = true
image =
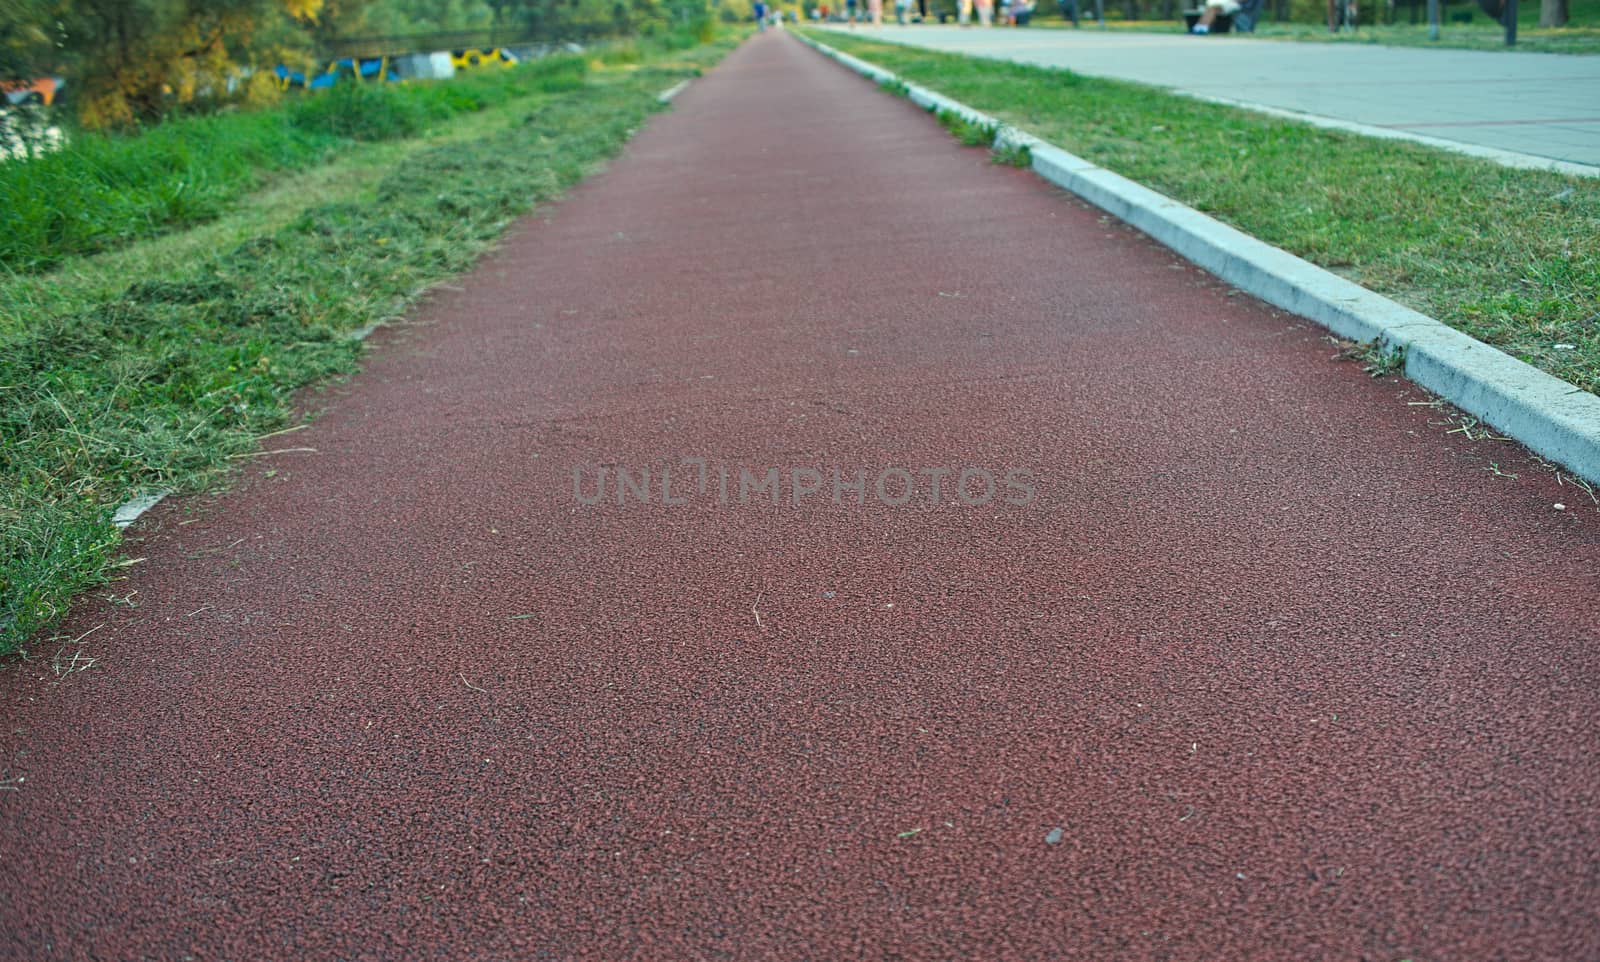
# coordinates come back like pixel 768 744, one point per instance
pixel 1511 257
pixel 104 190
pixel 108 390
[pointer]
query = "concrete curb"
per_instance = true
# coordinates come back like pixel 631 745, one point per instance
pixel 1505 158
pixel 1555 419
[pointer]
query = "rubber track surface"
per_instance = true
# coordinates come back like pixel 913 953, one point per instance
pixel 1293 671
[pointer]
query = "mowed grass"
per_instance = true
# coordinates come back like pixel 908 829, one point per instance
pixel 1511 257
pixel 110 388
pixel 104 190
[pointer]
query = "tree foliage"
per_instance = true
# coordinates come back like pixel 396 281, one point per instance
pixel 545 18
pixel 25 38
pixel 131 61
pixel 183 49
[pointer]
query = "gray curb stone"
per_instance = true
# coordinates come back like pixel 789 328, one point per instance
pixel 1554 418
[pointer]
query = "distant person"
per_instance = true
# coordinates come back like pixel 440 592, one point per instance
pixel 963 12
pixel 875 10
pixel 760 10
pixel 850 12
pixel 1069 10
pixel 985 12
pixel 1213 10
pixel 902 12
pixel 1021 13
pixel 1335 21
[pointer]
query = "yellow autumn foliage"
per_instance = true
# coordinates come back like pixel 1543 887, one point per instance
pixel 262 90
pixel 303 9
pixel 190 52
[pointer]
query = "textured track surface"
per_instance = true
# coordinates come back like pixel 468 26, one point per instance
pixel 1272 667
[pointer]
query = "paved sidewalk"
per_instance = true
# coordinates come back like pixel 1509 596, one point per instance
pixel 1271 666
pixel 1545 105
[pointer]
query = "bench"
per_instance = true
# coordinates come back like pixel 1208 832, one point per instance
pixel 1242 20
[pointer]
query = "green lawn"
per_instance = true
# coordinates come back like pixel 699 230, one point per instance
pixel 101 190
pixel 1511 257
pixel 1483 34
pixel 108 389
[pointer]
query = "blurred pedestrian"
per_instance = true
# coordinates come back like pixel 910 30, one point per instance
pixel 1213 10
pixel 1342 15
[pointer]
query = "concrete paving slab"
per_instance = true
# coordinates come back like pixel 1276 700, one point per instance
pixel 1527 103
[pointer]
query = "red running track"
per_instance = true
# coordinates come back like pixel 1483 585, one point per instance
pixel 1293 673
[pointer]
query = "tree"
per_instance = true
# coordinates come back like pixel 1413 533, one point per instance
pixel 395 18
pixel 25 41
pixel 134 59
pixel 1552 13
